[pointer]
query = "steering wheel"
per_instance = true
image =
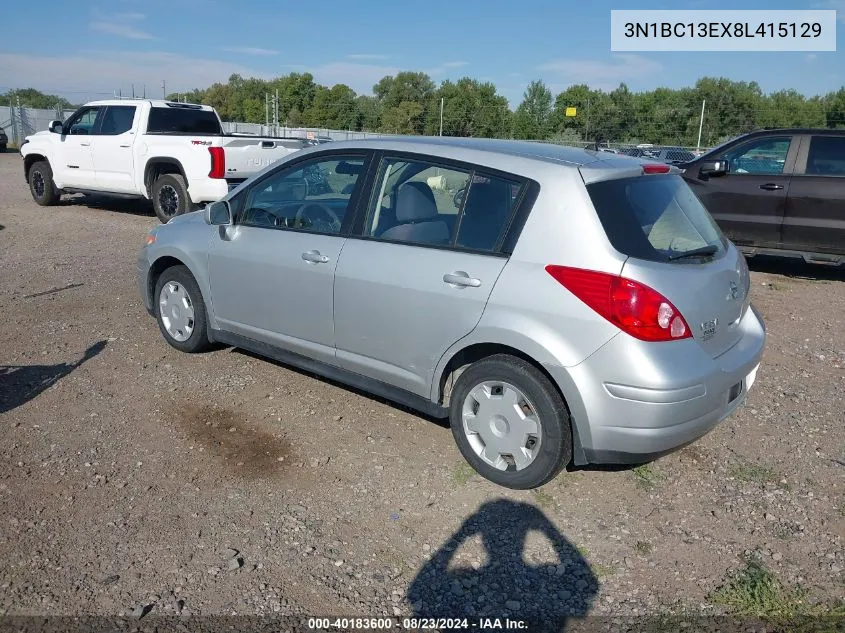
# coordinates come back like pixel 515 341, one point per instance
pixel 333 223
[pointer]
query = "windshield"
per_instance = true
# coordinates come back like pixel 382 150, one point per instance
pixel 657 218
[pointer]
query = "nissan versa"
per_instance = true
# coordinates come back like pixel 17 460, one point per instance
pixel 570 306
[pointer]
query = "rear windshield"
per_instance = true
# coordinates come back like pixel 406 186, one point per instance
pixel 183 121
pixel 658 218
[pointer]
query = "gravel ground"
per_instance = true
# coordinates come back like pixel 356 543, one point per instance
pixel 135 480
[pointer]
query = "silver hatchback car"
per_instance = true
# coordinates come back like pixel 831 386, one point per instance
pixel 569 307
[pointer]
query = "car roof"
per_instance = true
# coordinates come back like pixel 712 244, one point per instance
pixel 156 103
pixel 498 148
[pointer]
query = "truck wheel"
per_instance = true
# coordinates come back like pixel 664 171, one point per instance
pixel 510 423
pixel 41 184
pixel 170 197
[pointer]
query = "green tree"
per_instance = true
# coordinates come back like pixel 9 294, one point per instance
pixel 32 98
pixel 470 108
pixel 533 116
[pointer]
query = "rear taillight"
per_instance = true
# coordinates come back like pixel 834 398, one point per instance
pixel 218 162
pixel 633 307
pixel 656 169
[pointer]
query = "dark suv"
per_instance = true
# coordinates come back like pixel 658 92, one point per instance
pixel 777 191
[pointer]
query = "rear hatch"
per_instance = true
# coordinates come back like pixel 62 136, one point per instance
pixel 674 247
pixel 247 155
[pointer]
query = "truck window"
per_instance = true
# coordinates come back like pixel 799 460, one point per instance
pixel 117 120
pixel 183 121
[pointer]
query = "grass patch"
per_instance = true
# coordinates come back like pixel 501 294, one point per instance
pixel 585 553
pixel 757 593
pixel 543 499
pixel 752 473
pixel 644 548
pixel 646 477
pixel 603 571
pixel 463 473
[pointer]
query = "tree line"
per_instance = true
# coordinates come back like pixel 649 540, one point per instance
pixel 410 103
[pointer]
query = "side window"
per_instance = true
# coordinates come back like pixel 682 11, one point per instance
pixel 83 121
pixel 487 211
pixel 764 156
pixel 826 156
pixel 310 196
pixel 416 202
pixel 117 120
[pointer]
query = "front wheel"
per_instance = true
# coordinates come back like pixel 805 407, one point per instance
pixel 170 197
pixel 180 310
pixel 510 423
pixel 41 184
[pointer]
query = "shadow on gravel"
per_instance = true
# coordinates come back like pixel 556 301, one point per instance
pixel 793 267
pixel 506 586
pixel 21 383
pixel 442 422
pixel 130 206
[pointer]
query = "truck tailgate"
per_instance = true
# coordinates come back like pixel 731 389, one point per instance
pixel 246 156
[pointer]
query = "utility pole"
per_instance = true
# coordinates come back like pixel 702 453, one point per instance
pixel 133 91
pixel 163 89
pixel 700 126
pixel 267 111
pixel 276 114
pixel 441 116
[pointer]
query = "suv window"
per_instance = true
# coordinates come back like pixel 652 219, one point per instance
pixel 167 120
pixel 487 212
pixel 826 156
pixel 654 217
pixel 83 122
pixel 416 202
pixel 117 120
pixel 766 156
pixel 313 195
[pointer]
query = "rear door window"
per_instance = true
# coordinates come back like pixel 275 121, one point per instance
pixel 826 156
pixel 657 218
pixel 169 120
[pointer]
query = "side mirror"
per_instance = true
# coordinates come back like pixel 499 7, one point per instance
pixel 55 127
pixel 218 213
pixel 713 168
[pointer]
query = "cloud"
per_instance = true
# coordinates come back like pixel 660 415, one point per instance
pixel 367 57
pixel 600 74
pixel 119 25
pixel 810 58
pixel 455 64
pixel 249 50
pixel 836 5
pixel 98 74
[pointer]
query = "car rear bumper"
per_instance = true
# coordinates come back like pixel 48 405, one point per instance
pixel 634 401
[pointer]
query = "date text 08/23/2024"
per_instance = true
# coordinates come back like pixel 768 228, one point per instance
pixel 417 624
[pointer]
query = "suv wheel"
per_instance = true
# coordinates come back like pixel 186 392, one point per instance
pixel 180 310
pixel 41 184
pixel 510 423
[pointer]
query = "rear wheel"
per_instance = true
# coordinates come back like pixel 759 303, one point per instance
pixel 170 197
pixel 510 423
pixel 180 310
pixel 41 184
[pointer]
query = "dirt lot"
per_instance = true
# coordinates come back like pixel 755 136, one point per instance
pixel 138 480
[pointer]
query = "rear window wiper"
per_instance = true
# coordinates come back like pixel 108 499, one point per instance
pixel 703 251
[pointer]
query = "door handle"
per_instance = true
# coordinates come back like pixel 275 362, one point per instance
pixel 85 144
pixel 315 257
pixel 770 186
pixel 126 146
pixel 460 278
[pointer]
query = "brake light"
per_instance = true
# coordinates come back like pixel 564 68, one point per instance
pixel 631 306
pixel 218 162
pixel 656 169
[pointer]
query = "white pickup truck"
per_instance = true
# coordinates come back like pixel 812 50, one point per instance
pixel 174 154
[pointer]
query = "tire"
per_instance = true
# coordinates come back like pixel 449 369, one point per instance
pixel 41 184
pixel 184 293
pixel 170 197
pixel 552 449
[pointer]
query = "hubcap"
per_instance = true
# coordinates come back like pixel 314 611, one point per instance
pixel 38 185
pixel 177 311
pixel 501 425
pixel 168 200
